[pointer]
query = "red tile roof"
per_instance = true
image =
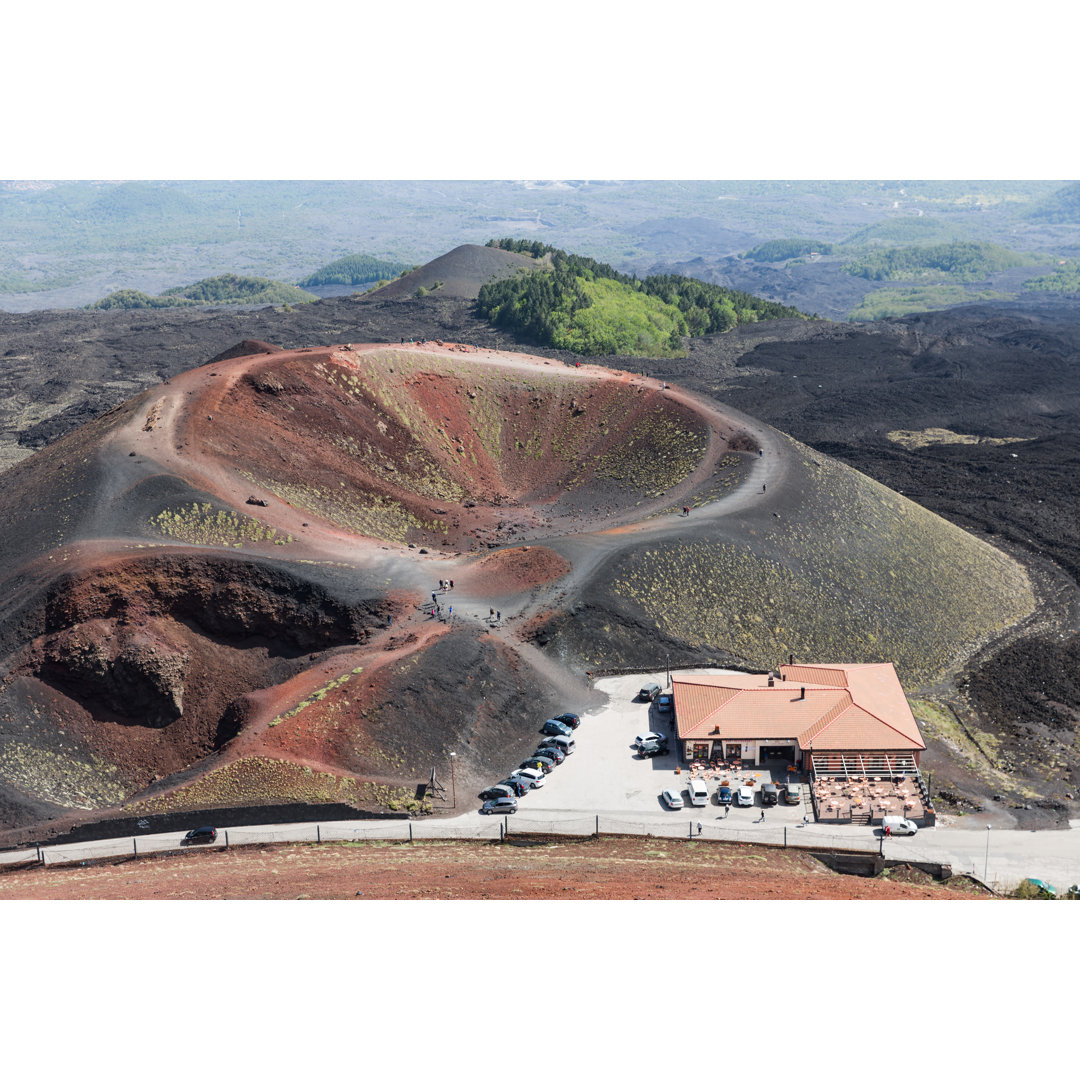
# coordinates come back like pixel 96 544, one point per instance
pixel 846 707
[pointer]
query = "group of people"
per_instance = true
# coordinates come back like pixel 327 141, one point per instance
pixel 446 585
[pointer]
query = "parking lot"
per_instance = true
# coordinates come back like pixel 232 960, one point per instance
pixel 605 776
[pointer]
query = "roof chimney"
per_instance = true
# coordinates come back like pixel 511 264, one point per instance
pixel 802 693
pixel 791 658
pixel 772 681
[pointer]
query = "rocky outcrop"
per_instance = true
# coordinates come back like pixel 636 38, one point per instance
pixel 136 674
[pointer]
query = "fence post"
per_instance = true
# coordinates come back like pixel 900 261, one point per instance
pixel 226 839
pixel 410 832
pixel 597 833
pixel 785 836
pixel 135 845
pixel 39 858
pixel 501 823
pixel 318 834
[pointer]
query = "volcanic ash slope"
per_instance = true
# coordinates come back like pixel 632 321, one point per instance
pixel 836 569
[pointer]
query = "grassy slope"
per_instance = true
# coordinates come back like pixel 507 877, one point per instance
pixel 622 322
pixel 853 572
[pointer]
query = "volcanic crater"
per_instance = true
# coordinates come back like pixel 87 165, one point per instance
pixel 385 444
pixel 231 594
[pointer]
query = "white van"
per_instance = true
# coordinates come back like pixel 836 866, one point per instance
pixel 698 792
pixel 898 826
pixel 564 742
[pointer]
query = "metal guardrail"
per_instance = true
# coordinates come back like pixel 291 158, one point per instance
pixel 487 829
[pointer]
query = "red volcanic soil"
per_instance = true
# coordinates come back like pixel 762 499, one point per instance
pixel 609 868
pixel 514 570
pixel 431 446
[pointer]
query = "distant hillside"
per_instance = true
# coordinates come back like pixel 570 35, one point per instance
pixel 353 270
pixel 588 308
pixel 132 203
pixel 955 262
pixel 1061 208
pixel 458 274
pixel 210 292
pixel 907 230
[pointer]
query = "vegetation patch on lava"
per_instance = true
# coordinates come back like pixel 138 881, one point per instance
pixel 201 524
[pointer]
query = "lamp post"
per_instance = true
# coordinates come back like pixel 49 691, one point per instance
pixel 453 785
pixel 986 864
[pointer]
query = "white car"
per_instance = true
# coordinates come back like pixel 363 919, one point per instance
pixel 535 775
pixel 672 798
pixel 650 736
pixel 744 796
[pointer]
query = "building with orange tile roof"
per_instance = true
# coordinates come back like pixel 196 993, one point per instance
pixel 810 715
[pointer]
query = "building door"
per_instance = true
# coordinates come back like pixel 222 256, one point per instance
pixel 770 754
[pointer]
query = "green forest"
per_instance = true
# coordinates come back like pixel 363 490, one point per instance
pixel 589 308
pixel 226 289
pixel 956 262
pixel 354 270
pixel 892 303
pixel 782 250
pixel 1066 279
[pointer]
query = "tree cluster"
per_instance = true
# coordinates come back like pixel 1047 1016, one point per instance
pixel 1065 279
pixel 354 270
pixel 225 289
pixel 782 250
pixel 540 305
